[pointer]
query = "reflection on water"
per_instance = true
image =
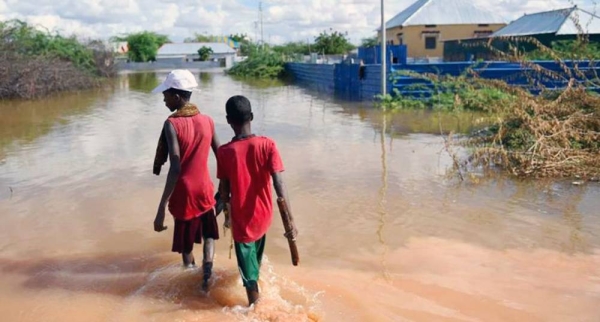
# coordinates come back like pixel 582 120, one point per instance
pixel 383 195
pixel 143 82
pixel 24 121
pixel 206 78
pixel 384 235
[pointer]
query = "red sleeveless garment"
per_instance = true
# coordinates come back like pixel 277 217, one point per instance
pixel 194 191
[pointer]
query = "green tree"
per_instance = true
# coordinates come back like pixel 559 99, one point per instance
pixel 200 38
pixel 205 53
pixel 144 45
pixel 247 47
pixel 241 38
pixel 332 43
pixel 293 48
pixel 369 42
pixel 578 49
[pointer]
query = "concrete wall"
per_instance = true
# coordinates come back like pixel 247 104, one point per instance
pixel 168 64
pixel 414 37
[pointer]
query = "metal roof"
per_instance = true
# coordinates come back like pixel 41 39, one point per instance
pixel 192 48
pixel 570 21
pixel 444 12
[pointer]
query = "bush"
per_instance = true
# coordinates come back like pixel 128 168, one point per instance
pixel 35 63
pixel 262 63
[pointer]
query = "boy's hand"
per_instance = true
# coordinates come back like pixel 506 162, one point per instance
pixel 160 220
pixel 292 234
pixel 227 222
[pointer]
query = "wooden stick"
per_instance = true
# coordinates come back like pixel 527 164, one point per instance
pixel 286 217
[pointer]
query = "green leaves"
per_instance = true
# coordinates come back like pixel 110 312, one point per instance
pixel 332 43
pixel 369 42
pixel 23 39
pixel 262 63
pixel 144 45
pixel 205 53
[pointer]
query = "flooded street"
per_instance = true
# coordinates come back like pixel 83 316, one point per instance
pixel 384 234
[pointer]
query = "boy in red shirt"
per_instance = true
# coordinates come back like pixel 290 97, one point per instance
pixel 187 138
pixel 245 167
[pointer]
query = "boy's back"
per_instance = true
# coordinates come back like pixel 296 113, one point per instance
pixel 248 164
pixel 193 194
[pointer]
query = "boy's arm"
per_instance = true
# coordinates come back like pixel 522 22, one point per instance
pixel 172 177
pixel 215 144
pixel 225 191
pixel 281 192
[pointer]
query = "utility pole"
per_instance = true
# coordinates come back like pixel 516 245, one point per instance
pixel 262 39
pixel 256 31
pixel 383 51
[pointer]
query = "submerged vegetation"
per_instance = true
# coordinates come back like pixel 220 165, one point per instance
pixel 446 93
pixel 543 135
pixel 35 63
pixel 552 133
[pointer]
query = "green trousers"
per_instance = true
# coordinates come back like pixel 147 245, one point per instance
pixel 249 256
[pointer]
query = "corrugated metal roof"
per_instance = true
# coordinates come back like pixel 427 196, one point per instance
pixel 192 48
pixel 444 12
pixel 570 21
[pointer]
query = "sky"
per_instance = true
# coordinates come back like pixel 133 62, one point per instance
pixel 283 20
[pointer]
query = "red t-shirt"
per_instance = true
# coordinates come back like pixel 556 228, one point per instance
pixel 194 191
pixel 248 164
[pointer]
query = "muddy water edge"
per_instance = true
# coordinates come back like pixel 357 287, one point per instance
pixel 385 235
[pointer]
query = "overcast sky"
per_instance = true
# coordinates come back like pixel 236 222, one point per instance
pixel 284 20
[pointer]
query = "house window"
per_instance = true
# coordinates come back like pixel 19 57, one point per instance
pixel 430 26
pixel 482 33
pixel 400 37
pixel 483 25
pixel 430 42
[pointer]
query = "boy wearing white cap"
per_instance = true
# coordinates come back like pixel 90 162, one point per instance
pixel 186 139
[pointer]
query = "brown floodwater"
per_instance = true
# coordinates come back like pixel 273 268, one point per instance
pixel 385 233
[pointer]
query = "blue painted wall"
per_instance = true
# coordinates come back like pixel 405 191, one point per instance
pixel 396 54
pixel 364 82
pixel 316 76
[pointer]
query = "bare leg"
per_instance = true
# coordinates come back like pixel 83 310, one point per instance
pixel 209 250
pixel 207 261
pixel 252 292
pixel 188 259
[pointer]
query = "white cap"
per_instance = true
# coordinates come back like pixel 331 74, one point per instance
pixel 181 79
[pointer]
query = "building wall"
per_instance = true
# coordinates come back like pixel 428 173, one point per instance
pixel 167 65
pixel 415 37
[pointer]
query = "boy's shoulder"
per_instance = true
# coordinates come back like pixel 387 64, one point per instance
pixel 257 139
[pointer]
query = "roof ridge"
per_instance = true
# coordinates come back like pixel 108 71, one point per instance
pixel 589 13
pixel 547 12
pixel 427 2
pixel 567 16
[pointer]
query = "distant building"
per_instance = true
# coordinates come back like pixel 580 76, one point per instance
pixel 423 25
pixel 120 47
pixel 545 27
pixel 553 25
pixel 189 52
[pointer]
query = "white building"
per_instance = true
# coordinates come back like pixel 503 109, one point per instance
pixel 189 52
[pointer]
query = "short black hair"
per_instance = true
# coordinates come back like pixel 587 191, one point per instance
pixel 183 94
pixel 239 110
